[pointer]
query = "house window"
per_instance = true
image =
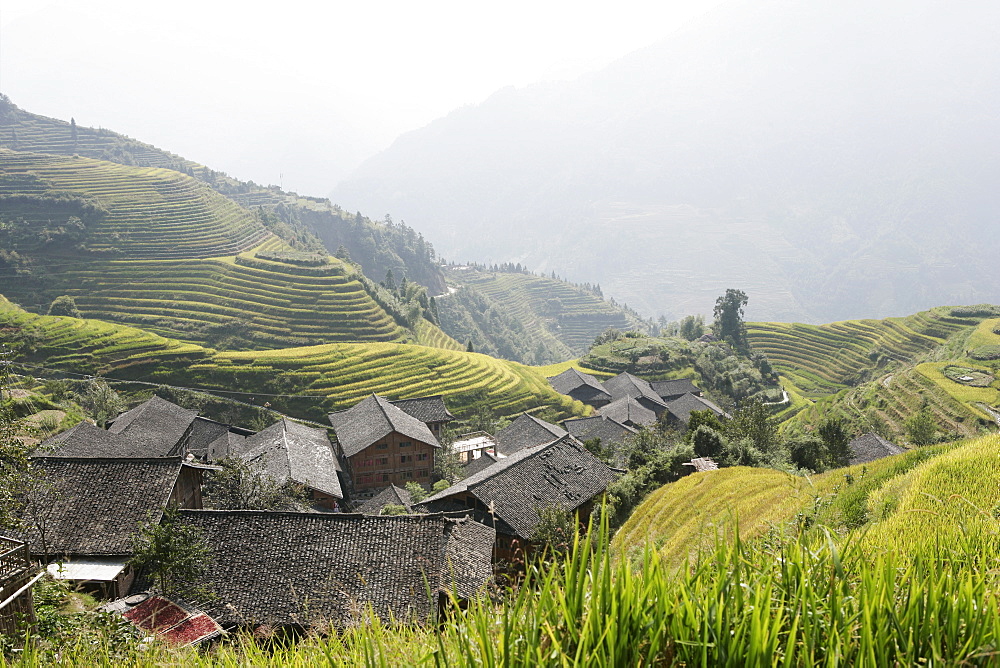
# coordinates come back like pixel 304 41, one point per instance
pixel 368 462
pixel 366 479
pixel 382 461
pixel 405 458
pixel 382 446
pixel 405 444
pixel 386 477
pixel 421 473
pixel 407 475
pixel 421 456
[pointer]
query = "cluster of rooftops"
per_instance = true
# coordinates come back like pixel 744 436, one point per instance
pixel 321 564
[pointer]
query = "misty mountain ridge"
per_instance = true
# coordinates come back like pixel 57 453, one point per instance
pixel 831 160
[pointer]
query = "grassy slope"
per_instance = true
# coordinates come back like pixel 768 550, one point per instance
pixel 334 376
pixel 574 321
pixel 174 272
pixel 898 502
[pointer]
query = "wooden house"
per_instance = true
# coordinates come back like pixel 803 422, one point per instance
pixel 525 431
pixel 509 494
pixel 429 410
pixel 382 445
pixel 311 570
pixel 869 447
pixel 629 412
pixel 680 409
pixel 581 386
pixel 668 390
pixel 626 385
pixel 290 452
pixel 608 431
pixel 87 511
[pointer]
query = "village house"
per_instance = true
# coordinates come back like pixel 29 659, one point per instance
pixel 390 496
pixel 155 428
pixel 608 431
pixel 290 452
pixel 509 494
pixel 869 447
pixel 310 570
pixel 85 513
pixel 525 431
pixel 429 410
pixel 668 390
pixel 629 412
pixel 626 385
pixel 580 386
pixel 381 445
pixel 680 409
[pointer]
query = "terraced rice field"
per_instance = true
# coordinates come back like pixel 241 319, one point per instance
pixel 570 315
pixel 823 359
pixel 346 373
pixel 151 212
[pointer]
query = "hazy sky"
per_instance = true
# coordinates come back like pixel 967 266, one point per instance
pixel 300 92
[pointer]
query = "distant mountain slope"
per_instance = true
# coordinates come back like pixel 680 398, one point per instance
pixel 377 247
pixel 518 315
pixel 154 247
pixel 833 159
pixel 334 376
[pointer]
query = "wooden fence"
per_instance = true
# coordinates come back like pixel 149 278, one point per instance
pixel 17 577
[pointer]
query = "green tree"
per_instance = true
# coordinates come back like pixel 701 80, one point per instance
pixel 172 552
pixel 836 441
pixel 100 401
pixel 74 136
pixel 729 324
pixel 707 442
pixel 417 491
pixel 692 327
pixel 241 486
pixel 808 451
pixel 64 305
pixel 555 530
pixel 921 428
pixel 753 422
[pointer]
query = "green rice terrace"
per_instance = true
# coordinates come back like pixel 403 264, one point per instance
pixel 331 376
pixel 157 249
pixel 550 309
pixel 134 212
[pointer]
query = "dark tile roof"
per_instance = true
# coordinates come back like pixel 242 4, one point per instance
pixel 561 473
pixel 425 409
pixel 155 428
pixel 526 431
pixel 366 422
pixel 211 440
pixel 608 430
pixel 476 465
pixel 572 379
pixel 312 568
pixel 391 495
pixel 681 407
pixel 627 385
pixel 627 410
pixel 94 506
pixel 673 388
pixel 291 451
pixel 871 446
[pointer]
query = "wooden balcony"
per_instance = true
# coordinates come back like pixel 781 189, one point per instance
pixel 17 576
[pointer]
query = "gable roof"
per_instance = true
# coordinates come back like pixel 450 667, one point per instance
pixel 682 406
pixel 291 451
pixel 478 464
pixel 153 429
pixel 391 495
pixel 425 409
pixel 93 506
pixel 627 385
pixel 626 409
pixel 526 431
pixel 208 439
pixel 603 427
pixel 562 473
pixel 871 446
pixel 673 388
pixel 572 378
pixel 373 418
pixel 304 568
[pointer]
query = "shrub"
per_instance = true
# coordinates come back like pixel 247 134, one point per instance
pixel 64 305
